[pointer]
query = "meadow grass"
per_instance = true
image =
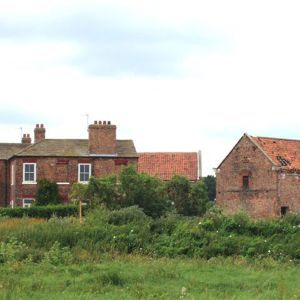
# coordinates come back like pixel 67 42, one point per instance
pixel 140 277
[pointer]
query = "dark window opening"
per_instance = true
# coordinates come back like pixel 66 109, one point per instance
pixel 245 182
pixel 284 210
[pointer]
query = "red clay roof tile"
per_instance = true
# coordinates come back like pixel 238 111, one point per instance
pixel 283 152
pixel 167 164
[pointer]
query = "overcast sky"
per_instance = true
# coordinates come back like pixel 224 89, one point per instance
pixel 172 75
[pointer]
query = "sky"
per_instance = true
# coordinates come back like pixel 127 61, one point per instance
pixel 172 75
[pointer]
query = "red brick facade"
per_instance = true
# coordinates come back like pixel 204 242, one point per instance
pixel 60 160
pixel 253 178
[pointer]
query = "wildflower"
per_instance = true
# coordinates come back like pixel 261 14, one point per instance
pixel 269 251
pixel 114 236
pixel 183 291
pixel 265 241
pixel 200 223
pixel 131 231
pixel 230 236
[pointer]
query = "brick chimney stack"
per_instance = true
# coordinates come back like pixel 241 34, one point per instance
pixel 26 139
pixel 102 138
pixel 39 132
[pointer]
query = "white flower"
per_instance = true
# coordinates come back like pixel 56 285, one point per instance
pixel 199 223
pixel 269 251
pixel 131 231
pixel 183 291
pixel 114 236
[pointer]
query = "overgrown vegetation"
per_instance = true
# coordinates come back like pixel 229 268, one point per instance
pixel 151 194
pixel 130 230
pixel 47 193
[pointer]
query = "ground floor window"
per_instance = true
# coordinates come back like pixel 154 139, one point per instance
pixel 284 210
pixel 27 202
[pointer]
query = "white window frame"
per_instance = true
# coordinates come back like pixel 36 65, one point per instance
pixel 27 204
pixel 34 174
pixel 90 171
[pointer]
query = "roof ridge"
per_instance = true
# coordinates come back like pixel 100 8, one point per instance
pixel 271 138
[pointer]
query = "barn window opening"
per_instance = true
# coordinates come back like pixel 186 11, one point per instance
pixel 245 182
pixel 284 210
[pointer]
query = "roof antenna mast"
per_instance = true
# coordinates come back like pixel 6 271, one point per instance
pixel 87 121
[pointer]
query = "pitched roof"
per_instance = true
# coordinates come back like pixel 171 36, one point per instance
pixel 283 152
pixel 7 150
pixel 167 164
pixel 61 147
pixel 72 148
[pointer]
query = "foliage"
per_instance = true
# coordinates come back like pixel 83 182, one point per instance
pixel 11 251
pixel 57 255
pixel 79 192
pixel 210 182
pixel 40 211
pixel 190 199
pixel 47 193
pixel 143 190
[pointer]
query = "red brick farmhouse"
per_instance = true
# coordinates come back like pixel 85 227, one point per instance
pixel 64 161
pixel 260 176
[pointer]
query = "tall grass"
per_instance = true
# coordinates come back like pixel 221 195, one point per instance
pixel 140 277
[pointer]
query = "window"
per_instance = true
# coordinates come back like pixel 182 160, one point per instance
pixel 27 202
pixel 284 210
pixel 29 173
pixel 84 172
pixel 245 182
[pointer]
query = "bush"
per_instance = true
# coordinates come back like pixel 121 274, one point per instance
pixel 47 193
pixel 40 211
pixel 132 214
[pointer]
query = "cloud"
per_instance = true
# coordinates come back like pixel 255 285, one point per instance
pixel 115 41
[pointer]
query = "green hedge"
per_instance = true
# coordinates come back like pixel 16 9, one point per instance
pixel 40 211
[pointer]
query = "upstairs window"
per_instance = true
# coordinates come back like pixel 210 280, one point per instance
pixel 245 182
pixel 29 173
pixel 84 172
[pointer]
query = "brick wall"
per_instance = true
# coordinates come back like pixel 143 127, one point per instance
pixel 3 182
pixel 289 191
pixel 261 199
pixel 64 171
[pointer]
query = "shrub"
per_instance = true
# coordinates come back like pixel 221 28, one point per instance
pixel 47 193
pixel 132 214
pixel 40 211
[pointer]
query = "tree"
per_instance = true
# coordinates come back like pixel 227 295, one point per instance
pixel 143 190
pixel 190 199
pixel 105 191
pixel 178 189
pixel 210 182
pixel 47 192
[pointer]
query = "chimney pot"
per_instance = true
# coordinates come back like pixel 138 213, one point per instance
pixel 28 135
pixel 24 135
pixel 42 125
pixel 37 125
pixel 108 122
pixel 100 122
pixel 104 122
pixel 95 122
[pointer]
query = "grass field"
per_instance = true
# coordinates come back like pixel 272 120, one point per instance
pixel 138 277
